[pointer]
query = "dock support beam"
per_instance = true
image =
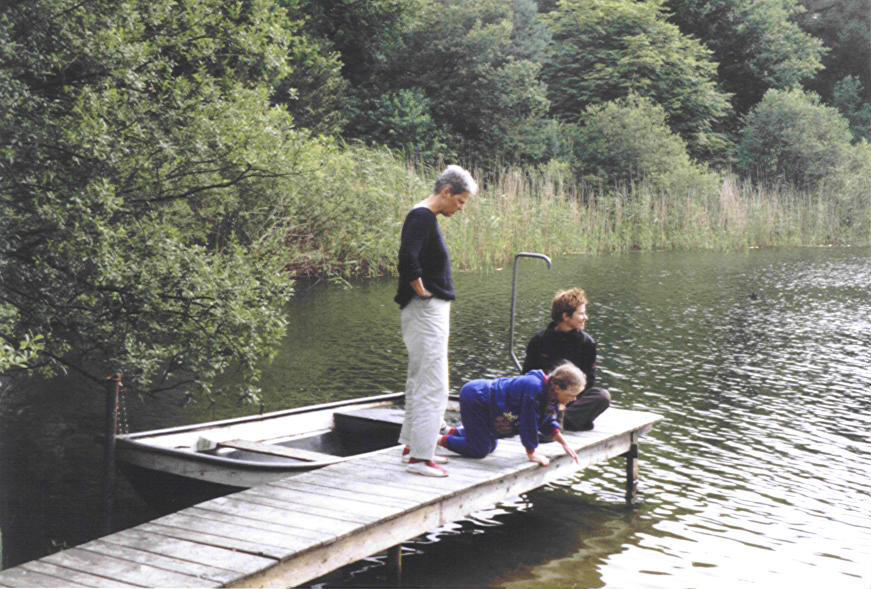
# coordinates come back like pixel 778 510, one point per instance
pixel 632 472
pixel 394 565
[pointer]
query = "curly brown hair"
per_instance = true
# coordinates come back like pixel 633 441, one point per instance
pixel 567 301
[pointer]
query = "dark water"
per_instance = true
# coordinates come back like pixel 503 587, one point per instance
pixel 758 477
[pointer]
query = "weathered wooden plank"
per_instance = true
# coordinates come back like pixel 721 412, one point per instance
pixel 260 510
pixel 328 492
pixel 222 558
pixel 290 504
pixel 239 525
pixel 321 560
pixel 196 574
pixel 615 420
pixel 299 528
pixel 395 472
pixel 398 480
pixel 340 481
pixel 22 577
pixel 264 540
pixel 359 510
pixel 253 548
pixel 85 579
pixel 468 469
pixel 275 450
pixel 379 466
pixel 170 561
pixel 123 570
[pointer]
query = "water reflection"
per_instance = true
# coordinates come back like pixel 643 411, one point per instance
pixel 758 476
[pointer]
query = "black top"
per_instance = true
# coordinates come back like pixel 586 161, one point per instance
pixel 423 254
pixel 550 347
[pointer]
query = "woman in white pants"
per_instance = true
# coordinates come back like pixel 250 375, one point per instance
pixel 425 292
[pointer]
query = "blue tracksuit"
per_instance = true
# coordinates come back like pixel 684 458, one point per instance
pixel 501 408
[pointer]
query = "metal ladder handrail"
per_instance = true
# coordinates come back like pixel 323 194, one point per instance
pixel 514 300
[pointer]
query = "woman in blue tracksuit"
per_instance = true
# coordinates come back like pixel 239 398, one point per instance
pixel 503 407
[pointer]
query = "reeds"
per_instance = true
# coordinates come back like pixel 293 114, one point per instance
pixel 523 211
pixel 350 214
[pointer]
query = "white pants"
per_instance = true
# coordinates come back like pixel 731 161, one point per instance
pixel 425 330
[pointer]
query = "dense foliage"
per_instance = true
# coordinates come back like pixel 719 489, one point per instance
pixel 167 166
pixel 789 136
pixel 605 49
pixel 142 182
pixel 757 44
pixel 627 141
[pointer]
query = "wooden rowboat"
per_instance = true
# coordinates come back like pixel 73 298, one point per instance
pixel 181 465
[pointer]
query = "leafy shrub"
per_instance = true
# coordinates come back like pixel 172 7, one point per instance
pixel 790 136
pixel 348 212
pixel 607 49
pixel 628 140
pixel 847 98
pixel 403 120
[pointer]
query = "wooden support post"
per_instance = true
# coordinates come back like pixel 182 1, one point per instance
pixel 394 565
pixel 632 472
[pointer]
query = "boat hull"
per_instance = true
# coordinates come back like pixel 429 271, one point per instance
pixel 169 470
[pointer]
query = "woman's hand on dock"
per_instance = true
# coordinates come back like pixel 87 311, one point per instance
pixel 558 436
pixel 542 460
pixel 571 453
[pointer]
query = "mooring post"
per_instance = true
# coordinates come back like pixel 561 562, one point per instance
pixel 632 471
pixel 394 565
pixel 113 389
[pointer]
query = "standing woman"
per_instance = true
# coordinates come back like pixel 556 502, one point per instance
pixel 425 292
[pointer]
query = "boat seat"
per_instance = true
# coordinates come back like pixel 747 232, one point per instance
pixel 392 415
pixel 275 450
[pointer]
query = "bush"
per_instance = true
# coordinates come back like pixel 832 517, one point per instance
pixel 627 140
pixel 790 137
pixel 348 212
pixel 847 98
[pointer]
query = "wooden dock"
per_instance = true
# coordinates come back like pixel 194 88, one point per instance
pixel 287 533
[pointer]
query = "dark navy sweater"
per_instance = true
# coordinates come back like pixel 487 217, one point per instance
pixel 423 254
pixel 549 347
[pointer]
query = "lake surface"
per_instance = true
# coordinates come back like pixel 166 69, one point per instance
pixel 759 475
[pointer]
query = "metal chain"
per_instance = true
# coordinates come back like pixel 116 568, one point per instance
pixel 121 425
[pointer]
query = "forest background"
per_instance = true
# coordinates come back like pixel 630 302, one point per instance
pixel 167 168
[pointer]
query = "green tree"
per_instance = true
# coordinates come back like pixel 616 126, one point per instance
pixel 143 180
pixel 341 43
pixel 626 141
pixel 757 44
pixel 314 91
pixel 480 90
pixel 362 32
pixel 606 49
pixel 844 26
pixel 847 98
pixel 403 120
pixel 790 136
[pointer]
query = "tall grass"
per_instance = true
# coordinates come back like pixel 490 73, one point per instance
pixel 350 213
pixel 522 212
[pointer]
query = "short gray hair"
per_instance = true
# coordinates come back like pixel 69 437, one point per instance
pixel 458 179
